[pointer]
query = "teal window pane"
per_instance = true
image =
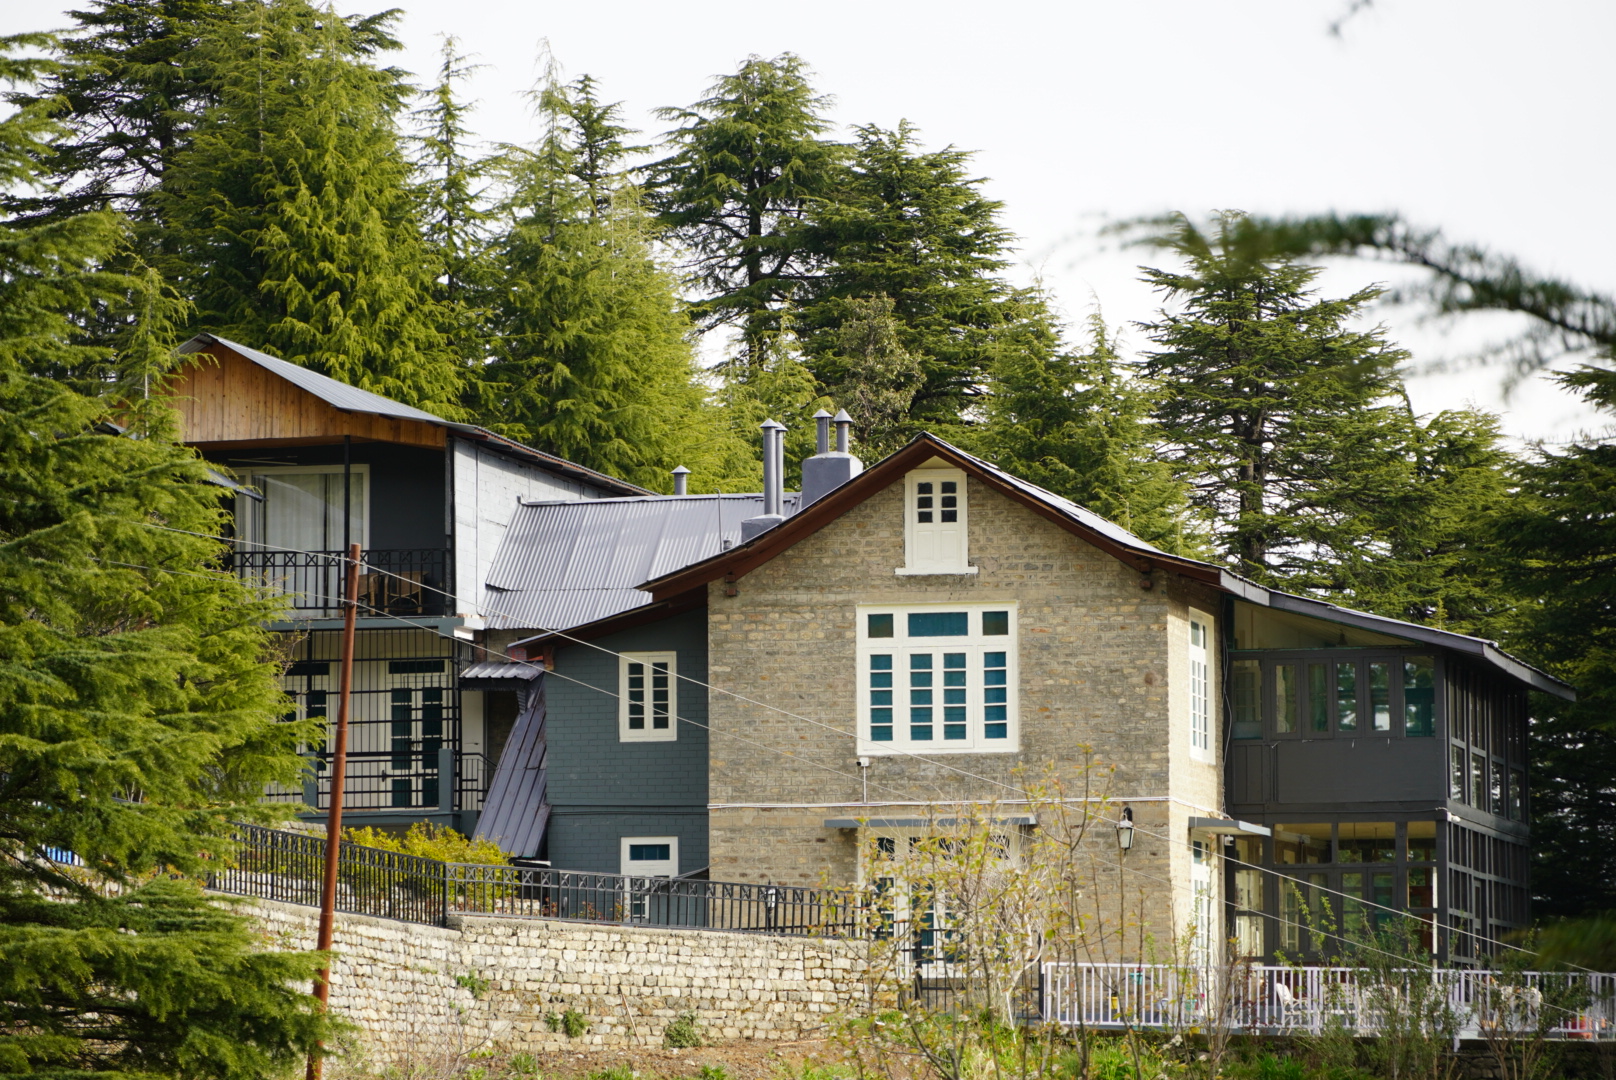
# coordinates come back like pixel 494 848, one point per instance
pixel 1346 697
pixel 997 731
pixel 880 697
pixel 1285 678
pixel 1318 699
pixel 880 678
pixel 953 678
pixel 1247 692
pixel 880 663
pixel 880 734
pixel 879 625
pixel 939 624
pixel 650 852
pixel 920 697
pixel 881 716
pixel 920 661
pixel 993 659
pixel 1419 697
pixel 995 694
pixel 995 712
pixel 1380 691
pixel 954 697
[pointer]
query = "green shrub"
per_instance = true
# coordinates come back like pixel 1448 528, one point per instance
pixel 684 1033
pixel 523 1064
pixel 574 1024
pixel 712 1072
pixel 430 842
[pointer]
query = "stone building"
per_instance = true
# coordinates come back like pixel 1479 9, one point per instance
pixel 935 633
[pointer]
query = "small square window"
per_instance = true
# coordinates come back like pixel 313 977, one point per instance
pixel 879 625
pixel 995 623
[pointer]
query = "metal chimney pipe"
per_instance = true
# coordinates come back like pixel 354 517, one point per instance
pixel 679 475
pixel 773 466
pixel 844 431
pixel 822 437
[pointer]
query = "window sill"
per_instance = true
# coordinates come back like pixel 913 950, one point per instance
pixel 889 750
pixel 904 571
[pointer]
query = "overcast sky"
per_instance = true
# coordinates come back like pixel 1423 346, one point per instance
pixel 1490 119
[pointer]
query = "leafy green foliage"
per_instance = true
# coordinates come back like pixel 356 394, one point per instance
pixel 684 1033
pixel 749 160
pixel 429 842
pixel 911 228
pixel 139 716
pixel 1074 423
pixel 1557 537
pixel 1283 419
pixel 592 356
pixel 294 225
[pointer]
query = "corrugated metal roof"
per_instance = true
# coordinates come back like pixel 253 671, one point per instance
pixel 515 811
pixel 564 564
pixel 352 399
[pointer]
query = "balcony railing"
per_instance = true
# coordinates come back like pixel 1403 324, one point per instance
pixel 397 581
pixel 440 779
pixel 1273 999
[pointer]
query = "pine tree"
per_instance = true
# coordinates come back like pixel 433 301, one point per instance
pixel 749 160
pixel 879 378
pixel 914 227
pixel 295 227
pixel 1074 423
pixel 453 189
pixel 1556 539
pixel 593 359
pixel 139 706
pixel 1288 424
pixel 51 271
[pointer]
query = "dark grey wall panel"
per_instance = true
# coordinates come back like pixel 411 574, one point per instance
pixel 1360 771
pixel 601 789
pixel 588 839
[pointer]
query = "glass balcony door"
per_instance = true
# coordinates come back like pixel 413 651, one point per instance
pixel 291 537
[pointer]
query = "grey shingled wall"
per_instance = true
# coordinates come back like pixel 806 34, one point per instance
pixel 601 789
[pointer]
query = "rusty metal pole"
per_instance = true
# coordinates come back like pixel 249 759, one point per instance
pixel 339 773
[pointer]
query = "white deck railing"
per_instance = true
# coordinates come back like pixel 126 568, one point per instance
pixel 1278 999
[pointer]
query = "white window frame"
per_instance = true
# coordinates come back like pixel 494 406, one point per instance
pixel 1200 685
pixel 956 558
pixel 974 645
pixel 649 733
pixel 250 512
pixel 668 867
pixel 1204 938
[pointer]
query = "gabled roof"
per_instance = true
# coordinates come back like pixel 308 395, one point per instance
pixel 564 564
pixel 741 559
pixel 340 395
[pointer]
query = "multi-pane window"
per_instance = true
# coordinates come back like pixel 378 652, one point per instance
pixel 937 679
pixel 1200 691
pixel 647 696
pixel 935 533
pixel 1305 698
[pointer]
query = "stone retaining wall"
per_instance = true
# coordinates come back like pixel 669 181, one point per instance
pixel 418 991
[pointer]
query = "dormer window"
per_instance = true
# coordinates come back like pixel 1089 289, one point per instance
pixel 935 533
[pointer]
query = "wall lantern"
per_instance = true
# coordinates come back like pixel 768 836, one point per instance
pixel 1125 830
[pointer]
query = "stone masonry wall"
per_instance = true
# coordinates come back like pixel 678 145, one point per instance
pixel 1101 668
pixel 398 981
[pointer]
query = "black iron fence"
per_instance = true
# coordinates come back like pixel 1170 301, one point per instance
pixel 277 865
pixel 273 864
pixel 399 581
